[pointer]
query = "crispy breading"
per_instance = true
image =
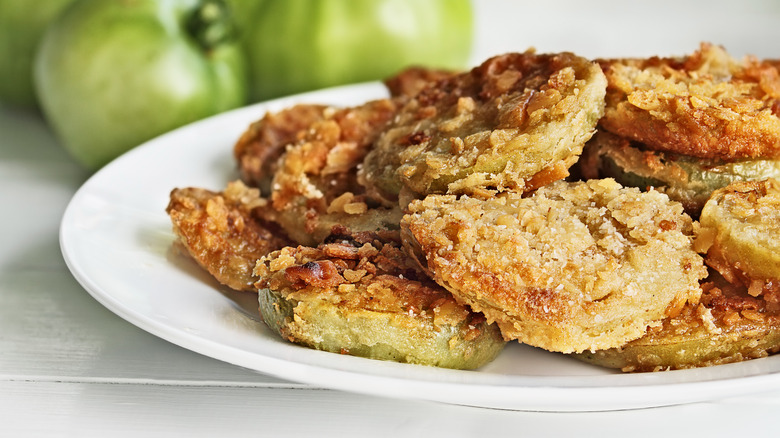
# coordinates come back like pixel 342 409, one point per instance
pixel 412 80
pixel 727 325
pixel 573 267
pixel 688 180
pixel 494 127
pixel 221 231
pixel 493 245
pixel 741 233
pixel 355 295
pixel 315 185
pixel 706 104
pixel 738 317
pixel 258 149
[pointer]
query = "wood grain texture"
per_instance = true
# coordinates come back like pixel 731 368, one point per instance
pixel 33 409
pixel 51 329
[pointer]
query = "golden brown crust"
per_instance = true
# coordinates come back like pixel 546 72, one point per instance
pixel 493 127
pixel 728 325
pixel 221 231
pixel 572 267
pixel 315 186
pixel 412 80
pixel 340 272
pixel 260 146
pixel 356 295
pixel 706 105
pixel 738 316
pixel 576 266
pixel 741 233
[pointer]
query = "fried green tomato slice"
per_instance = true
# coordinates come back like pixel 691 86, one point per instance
pixel 369 300
pixel 315 184
pixel 706 105
pixel 741 233
pixel 497 126
pixel 728 325
pixel 738 317
pixel 575 266
pixel 260 146
pixel 685 179
pixel 222 231
pixel 258 149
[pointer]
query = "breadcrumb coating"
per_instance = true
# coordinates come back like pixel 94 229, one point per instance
pixel 355 295
pixel 738 316
pixel 435 225
pixel 573 267
pixel 315 185
pixel 222 231
pixel 258 149
pixel 728 325
pixel 741 233
pixel 410 81
pixel 496 126
pixel 706 104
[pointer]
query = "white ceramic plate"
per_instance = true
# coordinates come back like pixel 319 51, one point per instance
pixel 116 239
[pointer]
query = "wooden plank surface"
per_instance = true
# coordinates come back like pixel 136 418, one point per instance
pixel 120 410
pixel 51 329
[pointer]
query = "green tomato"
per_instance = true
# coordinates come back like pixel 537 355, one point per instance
pixel 300 45
pixel 22 24
pixel 113 74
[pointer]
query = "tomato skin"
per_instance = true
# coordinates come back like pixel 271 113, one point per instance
pixel 22 24
pixel 301 45
pixel 112 74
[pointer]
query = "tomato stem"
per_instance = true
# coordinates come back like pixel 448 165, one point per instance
pixel 211 24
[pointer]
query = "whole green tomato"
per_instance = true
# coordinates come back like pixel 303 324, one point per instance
pixel 111 74
pixel 300 45
pixel 22 24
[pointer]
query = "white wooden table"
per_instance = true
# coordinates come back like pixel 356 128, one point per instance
pixel 69 367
